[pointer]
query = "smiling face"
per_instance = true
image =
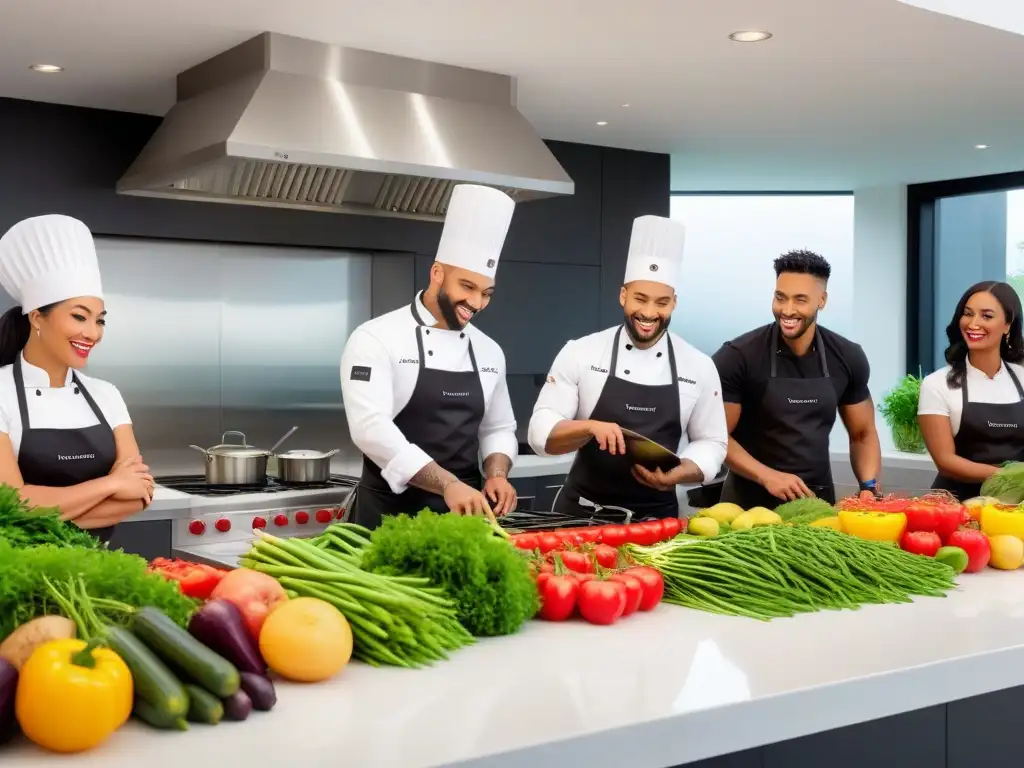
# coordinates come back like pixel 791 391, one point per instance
pixel 460 294
pixel 69 330
pixel 983 323
pixel 798 299
pixel 648 310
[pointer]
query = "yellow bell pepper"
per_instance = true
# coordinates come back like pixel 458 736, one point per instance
pixel 72 696
pixel 1002 521
pixel 874 526
pixel 827 522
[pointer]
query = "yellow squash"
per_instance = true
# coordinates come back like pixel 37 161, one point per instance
pixel 1007 552
pixel 997 521
pixel 71 696
pixel 873 526
pixel 827 522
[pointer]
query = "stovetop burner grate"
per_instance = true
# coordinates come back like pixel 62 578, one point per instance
pixel 196 485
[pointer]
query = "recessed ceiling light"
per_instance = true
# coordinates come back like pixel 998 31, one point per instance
pixel 625 106
pixel 602 122
pixel 749 36
pixel 981 146
pixel 47 68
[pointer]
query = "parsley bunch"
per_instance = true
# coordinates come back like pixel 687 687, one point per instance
pixel 485 576
pixel 25 527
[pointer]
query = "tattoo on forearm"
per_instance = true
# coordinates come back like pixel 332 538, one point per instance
pixel 433 478
pixel 497 465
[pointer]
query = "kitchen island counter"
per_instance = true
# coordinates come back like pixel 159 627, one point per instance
pixel 656 690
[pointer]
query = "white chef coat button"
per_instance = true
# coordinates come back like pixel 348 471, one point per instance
pixel 38 393
pixel 427 331
pixel 626 372
pixel 430 351
pixel 659 354
pixel 76 390
pixel 629 346
pixel 462 335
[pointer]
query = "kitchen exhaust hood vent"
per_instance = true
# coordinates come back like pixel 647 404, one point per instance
pixel 280 121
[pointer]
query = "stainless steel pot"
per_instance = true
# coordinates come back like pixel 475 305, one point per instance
pixel 304 466
pixel 235 463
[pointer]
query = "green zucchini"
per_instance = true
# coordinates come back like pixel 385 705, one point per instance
pixel 157 718
pixel 203 706
pixel 183 652
pixel 153 681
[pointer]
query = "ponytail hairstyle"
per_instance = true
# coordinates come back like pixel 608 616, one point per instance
pixel 14 332
pixel 1011 346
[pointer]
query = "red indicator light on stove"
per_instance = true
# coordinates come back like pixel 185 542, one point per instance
pixel 259 522
pixel 324 515
pixel 302 518
pixel 223 525
pixel 281 520
pixel 197 527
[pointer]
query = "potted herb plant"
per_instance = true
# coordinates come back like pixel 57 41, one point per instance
pixel 899 409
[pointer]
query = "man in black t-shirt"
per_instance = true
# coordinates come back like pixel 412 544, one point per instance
pixel 782 386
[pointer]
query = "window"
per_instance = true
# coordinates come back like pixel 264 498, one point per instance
pixel 731 241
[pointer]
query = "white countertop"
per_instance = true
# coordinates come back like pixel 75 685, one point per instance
pixel 656 690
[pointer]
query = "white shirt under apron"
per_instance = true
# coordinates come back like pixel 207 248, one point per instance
pixel 385 352
pixel 937 399
pixel 580 371
pixel 56 407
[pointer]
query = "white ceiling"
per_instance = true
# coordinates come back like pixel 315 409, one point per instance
pixel 848 93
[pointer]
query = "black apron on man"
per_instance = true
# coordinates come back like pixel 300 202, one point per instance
pixel 990 433
pixel 60 458
pixel 443 418
pixel 789 432
pixel 651 410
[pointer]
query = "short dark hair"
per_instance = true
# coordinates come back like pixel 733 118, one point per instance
pixel 803 263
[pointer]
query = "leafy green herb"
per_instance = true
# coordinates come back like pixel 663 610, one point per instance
pixel 804 511
pixel 1007 484
pixel 112 576
pixel 488 579
pixel 899 409
pixel 25 527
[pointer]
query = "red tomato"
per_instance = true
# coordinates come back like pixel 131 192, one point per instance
pixel 194 579
pixel 948 518
pixel 601 602
pixel 921 517
pixel 634 591
pixel 526 541
pixel 607 557
pixel 254 594
pixel 590 534
pixel 614 535
pixel 976 545
pixel 548 542
pixel 577 561
pixel 925 543
pixel 672 526
pixel 652 583
pixel 557 597
pixel 651 532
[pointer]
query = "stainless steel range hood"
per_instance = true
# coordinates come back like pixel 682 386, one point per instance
pixel 280 121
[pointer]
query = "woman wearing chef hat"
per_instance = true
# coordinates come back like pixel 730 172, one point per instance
pixel 636 376
pixel 65 438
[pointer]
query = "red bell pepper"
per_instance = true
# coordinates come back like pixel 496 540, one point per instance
pixel 194 579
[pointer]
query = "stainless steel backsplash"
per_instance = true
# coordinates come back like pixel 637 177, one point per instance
pixel 202 338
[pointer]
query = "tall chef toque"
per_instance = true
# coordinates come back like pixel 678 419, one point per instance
pixel 475 228
pixel 48 259
pixel 655 251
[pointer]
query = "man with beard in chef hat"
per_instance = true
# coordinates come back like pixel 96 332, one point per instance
pixel 635 376
pixel 424 389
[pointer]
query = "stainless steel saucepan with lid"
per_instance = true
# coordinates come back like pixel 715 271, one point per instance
pixel 299 466
pixel 235 463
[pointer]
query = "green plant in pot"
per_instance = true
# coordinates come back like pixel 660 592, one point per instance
pixel 899 409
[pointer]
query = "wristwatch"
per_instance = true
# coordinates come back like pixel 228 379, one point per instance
pixel 870 485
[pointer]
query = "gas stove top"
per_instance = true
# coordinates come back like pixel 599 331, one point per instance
pixel 196 485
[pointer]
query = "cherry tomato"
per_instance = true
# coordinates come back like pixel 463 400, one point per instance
pixel 672 527
pixel 589 535
pixel 647 533
pixel 557 597
pixel 607 557
pixel 634 591
pixel 527 541
pixel 601 602
pixel 577 561
pixel 615 535
pixel 652 583
pixel 548 542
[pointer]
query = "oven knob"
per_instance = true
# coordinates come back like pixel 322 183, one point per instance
pixel 302 518
pixel 281 520
pixel 223 525
pixel 341 513
pixel 197 527
pixel 259 522
pixel 324 515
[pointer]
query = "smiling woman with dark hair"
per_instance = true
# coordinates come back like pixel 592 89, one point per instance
pixel 972 411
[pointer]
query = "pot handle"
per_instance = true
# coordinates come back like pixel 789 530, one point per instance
pixel 243 444
pixel 197 448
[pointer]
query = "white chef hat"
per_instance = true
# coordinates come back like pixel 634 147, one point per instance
pixel 48 259
pixel 655 250
pixel 475 228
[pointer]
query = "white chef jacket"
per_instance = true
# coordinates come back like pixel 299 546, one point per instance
pixel 56 407
pixel 937 399
pixel 580 371
pixel 387 346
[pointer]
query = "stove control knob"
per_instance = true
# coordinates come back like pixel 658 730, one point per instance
pixel 223 525
pixel 341 513
pixel 324 515
pixel 259 522
pixel 281 520
pixel 302 518
pixel 197 527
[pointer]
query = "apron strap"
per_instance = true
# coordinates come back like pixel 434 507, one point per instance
pixel 92 403
pixel 412 308
pixel 1016 381
pixel 672 360
pixel 19 386
pixel 615 352
pixel 963 393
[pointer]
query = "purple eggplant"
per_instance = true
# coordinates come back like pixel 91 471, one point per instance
pixel 260 690
pixel 8 686
pixel 219 626
pixel 237 706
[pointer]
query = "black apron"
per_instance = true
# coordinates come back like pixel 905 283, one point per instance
pixel 789 433
pixel 443 418
pixel 990 433
pixel 597 476
pixel 60 458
